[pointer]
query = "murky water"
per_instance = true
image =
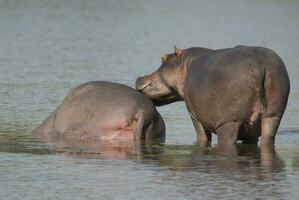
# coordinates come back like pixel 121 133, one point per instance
pixel 48 47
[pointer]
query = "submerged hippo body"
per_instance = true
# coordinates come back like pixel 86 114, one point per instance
pixel 103 110
pixel 237 93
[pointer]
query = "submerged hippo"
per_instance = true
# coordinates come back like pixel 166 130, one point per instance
pixel 237 93
pixel 103 110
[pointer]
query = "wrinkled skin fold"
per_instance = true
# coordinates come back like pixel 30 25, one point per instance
pixel 238 93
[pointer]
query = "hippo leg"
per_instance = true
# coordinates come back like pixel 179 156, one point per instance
pixel 269 129
pixel 268 155
pixel 227 150
pixel 204 137
pixel 276 92
pixel 140 126
pixel 228 133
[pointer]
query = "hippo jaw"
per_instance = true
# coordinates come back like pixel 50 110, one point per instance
pixel 157 90
pixel 163 102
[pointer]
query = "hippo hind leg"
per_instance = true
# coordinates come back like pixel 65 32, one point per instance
pixel 144 127
pixel 269 129
pixel 276 91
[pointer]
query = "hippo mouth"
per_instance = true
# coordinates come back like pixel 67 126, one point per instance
pixel 142 87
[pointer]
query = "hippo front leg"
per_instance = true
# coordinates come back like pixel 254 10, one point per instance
pixel 228 133
pixel 204 137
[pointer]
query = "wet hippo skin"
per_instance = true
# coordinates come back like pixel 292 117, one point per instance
pixel 238 93
pixel 102 110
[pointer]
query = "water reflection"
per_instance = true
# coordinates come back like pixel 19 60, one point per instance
pixel 248 166
pixel 295 162
pixel 22 143
pixel 246 160
pixel 239 160
pixel 113 149
pixel 230 159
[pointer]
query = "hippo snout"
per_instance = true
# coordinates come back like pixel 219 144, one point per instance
pixel 142 82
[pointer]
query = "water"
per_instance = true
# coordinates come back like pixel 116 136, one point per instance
pixel 48 47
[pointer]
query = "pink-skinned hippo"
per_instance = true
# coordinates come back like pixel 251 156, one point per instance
pixel 237 93
pixel 102 110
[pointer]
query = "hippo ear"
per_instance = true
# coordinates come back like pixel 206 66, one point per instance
pixel 177 51
pixel 164 58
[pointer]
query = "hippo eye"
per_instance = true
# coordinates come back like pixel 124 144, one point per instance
pixel 164 58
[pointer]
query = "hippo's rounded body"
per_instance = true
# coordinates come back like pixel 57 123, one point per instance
pixel 237 93
pixel 104 110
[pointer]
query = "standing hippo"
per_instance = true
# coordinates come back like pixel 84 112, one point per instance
pixel 103 110
pixel 237 93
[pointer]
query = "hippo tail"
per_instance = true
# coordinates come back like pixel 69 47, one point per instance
pixel 274 90
pixel 262 88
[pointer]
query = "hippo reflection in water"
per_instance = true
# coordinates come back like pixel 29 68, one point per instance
pixel 237 93
pixel 103 111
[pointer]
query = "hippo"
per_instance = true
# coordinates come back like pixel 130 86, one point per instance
pixel 101 110
pixel 237 93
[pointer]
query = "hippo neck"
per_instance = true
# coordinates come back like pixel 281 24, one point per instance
pixel 189 55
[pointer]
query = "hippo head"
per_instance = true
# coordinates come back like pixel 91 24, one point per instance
pixel 166 84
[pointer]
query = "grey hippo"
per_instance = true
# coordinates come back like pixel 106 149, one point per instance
pixel 102 110
pixel 237 93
